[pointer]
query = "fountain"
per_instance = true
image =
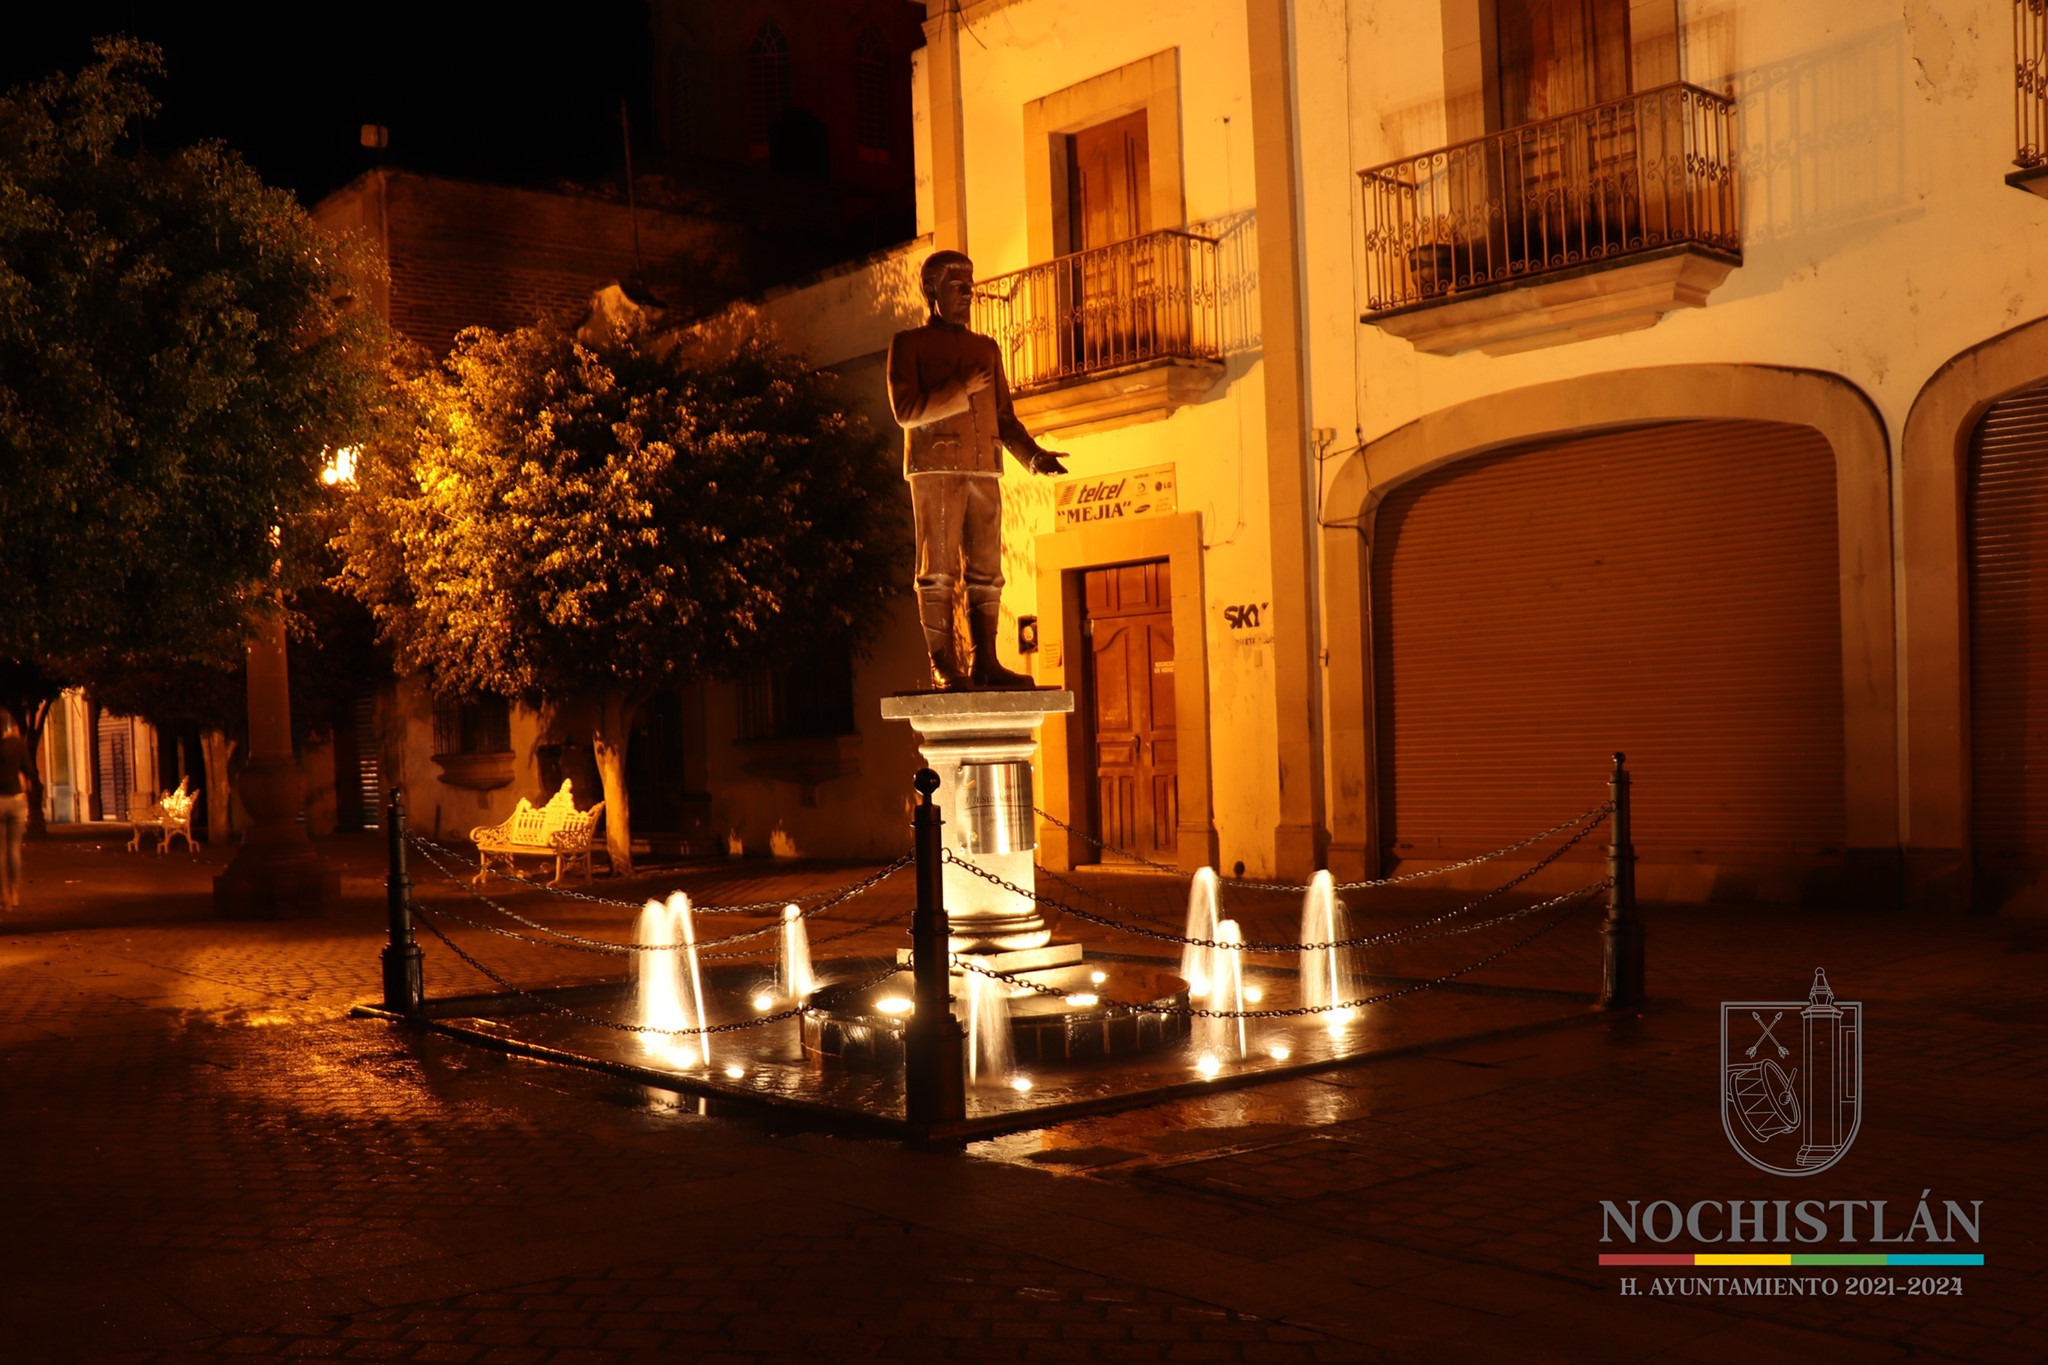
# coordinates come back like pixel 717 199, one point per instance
pixel 1328 977
pixel 670 995
pixel 990 1056
pixel 1225 1036
pixel 796 980
pixel 1196 962
pixel 980 744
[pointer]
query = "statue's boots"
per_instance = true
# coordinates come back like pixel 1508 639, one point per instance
pixel 935 613
pixel 988 669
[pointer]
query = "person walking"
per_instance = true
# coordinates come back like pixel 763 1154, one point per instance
pixel 14 777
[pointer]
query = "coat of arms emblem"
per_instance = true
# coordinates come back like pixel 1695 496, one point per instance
pixel 1792 1079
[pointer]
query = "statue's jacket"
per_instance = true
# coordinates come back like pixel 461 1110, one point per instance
pixel 946 429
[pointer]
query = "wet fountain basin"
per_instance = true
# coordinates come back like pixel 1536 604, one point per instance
pixel 848 1028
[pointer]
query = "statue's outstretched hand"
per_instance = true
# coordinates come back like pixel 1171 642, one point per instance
pixel 976 381
pixel 1045 462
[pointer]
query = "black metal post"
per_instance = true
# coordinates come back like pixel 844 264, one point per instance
pixel 1621 971
pixel 404 965
pixel 934 1083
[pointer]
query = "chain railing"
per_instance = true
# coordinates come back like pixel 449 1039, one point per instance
pixel 2030 83
pixel 1651 170
pixel 1153 297
pixel 562 938
pixel 1267 945
pixel 934 1094
pixel 1571 901
pixel 1295 888
pixel 420 841
pixel 404 984
pixel 555 1007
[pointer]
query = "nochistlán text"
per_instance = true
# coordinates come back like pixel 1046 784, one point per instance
pixel 1751 1222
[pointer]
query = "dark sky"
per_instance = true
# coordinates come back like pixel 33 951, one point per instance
pixel 487 92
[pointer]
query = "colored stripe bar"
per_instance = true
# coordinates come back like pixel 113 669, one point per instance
pixel 1834 1258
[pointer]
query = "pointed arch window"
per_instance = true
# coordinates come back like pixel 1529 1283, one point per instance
pixel 871 94
pixel 768 68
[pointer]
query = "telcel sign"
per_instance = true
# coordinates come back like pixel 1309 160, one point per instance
pixel 1114 497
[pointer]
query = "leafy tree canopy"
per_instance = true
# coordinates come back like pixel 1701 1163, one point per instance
pixel 582 523
pixel 178 349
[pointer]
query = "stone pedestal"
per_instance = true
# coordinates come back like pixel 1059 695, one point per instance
pixel 967 728
pixel 275 874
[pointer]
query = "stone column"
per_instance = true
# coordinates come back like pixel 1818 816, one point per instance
pixel 275 874
pixel 965 728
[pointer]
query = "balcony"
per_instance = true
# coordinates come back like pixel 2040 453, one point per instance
pixel 1595 223
pixel 2030 96
pixel 1110 336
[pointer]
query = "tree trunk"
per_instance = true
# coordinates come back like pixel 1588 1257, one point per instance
pixel 32 733
pixel 614 731
pixel 220 788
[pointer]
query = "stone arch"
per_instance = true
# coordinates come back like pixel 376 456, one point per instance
pixel 1934 611
pixel 1829 404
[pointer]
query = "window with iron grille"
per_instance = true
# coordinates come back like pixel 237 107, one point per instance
pixel 813 700
pixel 769 69
pixel 472 725
pixel 871 90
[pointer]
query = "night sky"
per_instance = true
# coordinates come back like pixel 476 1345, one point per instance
pixel 486 92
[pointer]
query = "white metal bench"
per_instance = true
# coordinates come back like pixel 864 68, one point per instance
pixel 169 816
pixel 557 830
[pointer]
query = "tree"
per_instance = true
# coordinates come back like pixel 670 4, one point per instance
pixel 584 521
pixel 178 348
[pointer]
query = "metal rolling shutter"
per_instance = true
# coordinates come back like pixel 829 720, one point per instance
pixel 2009 631
pixel 1670 591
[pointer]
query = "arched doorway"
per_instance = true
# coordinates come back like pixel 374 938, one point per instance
pixel 2007 498
pixel 1670 589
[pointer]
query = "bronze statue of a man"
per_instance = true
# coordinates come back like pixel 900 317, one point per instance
pixel 947 390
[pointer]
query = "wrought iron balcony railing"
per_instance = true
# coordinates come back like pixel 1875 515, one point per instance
pixel 2030 78
pixel 1637 174
pixel 1154 297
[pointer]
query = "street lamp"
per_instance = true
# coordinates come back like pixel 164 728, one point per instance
pixel 276 874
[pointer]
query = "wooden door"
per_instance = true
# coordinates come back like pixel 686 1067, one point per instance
pixel 1130 710
pixel 1109 188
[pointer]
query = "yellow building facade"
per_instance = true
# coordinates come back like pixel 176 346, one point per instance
pixel 1459 391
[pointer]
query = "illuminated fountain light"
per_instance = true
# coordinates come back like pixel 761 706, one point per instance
pixel 1225 1036
pixel 1020 1084
pixel 670 994
pixel 989 1053
pixel 1196 962
pixel 796 979
pixel 1098 977
pixel 1328 975
pixel 1208 1065
pixel 895 1004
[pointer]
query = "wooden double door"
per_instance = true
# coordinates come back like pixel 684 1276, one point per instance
pixel 1130 709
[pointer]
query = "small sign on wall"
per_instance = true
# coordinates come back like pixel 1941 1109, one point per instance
pixel 1114 497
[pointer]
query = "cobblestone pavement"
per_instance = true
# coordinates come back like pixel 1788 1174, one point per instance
pixel 210 1161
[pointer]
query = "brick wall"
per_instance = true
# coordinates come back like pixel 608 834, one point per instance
pixel 463 255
